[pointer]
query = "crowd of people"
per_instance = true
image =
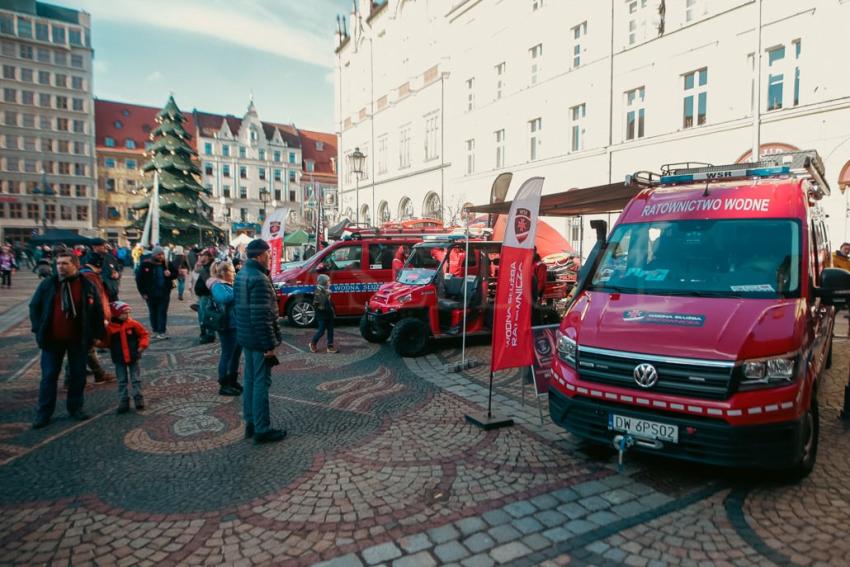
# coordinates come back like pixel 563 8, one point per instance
pixel 76 312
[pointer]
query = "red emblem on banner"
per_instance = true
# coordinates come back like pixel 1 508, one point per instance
pixel 522 224
pixel 274 228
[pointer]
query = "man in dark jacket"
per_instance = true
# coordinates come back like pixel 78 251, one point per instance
pixel 66 314
pixel 154 281
pixel 202 292
pixel 111 272
pixel 258 333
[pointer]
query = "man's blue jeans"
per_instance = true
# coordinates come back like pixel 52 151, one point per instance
pixel 228 363
pixel 255 394
pixel 158 311
pixel 51 366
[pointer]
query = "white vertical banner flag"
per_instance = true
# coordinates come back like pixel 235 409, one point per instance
pixel 275 224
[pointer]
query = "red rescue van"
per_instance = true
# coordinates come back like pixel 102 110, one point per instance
pixel 357 266
pixel 700 327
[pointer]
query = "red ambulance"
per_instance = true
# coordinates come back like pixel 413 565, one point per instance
pixel 701 326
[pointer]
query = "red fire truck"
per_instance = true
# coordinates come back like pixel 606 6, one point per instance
pixel 700 327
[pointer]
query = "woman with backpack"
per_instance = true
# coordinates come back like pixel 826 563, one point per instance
pixel 219 317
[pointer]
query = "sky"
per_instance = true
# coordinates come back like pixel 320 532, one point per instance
pixel 214 54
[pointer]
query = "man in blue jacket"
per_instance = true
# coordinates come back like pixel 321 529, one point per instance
pixel 258 333
pixel 66 313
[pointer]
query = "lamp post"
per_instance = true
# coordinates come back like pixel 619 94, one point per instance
pixel 265 196
pixel 355 163
pixel 44 192
pixel 225 215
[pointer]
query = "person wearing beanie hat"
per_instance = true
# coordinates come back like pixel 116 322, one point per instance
pixel 92 271
pixel 258 333
pixel 126 339
pixel 154 280
pixel 202 292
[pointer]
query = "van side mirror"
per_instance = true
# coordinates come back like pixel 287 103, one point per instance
pixel 834 286
pixel 601 228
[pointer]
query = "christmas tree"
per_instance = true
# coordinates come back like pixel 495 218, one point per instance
pixel 183 214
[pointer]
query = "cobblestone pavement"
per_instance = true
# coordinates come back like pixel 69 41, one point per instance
pixel 379 468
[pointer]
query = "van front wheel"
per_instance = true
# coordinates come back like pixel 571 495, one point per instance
pixel 301 312
pixel 808 441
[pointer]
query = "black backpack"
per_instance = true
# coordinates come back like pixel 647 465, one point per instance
pixel 215 317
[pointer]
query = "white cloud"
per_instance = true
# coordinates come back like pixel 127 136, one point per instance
pixel 289 31
pixel 155 76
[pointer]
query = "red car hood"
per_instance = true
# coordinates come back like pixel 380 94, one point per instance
pixel 289 274
pixel 694 327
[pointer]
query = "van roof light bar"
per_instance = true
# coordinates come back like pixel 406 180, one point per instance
pixel 806 164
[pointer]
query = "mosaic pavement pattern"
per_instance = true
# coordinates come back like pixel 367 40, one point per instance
pixel 379 467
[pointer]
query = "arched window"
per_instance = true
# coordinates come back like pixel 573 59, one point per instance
pixel 431 207
pixel 405 209
pixel 383 211
pixel 349 214
pixel 364 215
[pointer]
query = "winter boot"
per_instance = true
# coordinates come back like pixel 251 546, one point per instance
pixel 123 406
pixel 139 401
pixel 234 382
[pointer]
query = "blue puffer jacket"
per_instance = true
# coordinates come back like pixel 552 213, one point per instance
pixel 222 294
pixel 255 308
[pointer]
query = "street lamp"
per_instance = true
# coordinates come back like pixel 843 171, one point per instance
pixel 355 163
pixel 44 192
pixel 265 197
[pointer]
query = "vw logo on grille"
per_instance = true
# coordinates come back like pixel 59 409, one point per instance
pixel 645 375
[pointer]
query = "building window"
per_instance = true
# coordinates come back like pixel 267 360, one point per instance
pixel 26 75
pixel 75 37
pixel 262 173
pixel 10 95
pixel 638 15
pixel 500 148
pixel 500 79
pixel 276 156
pixel 292 195
pixel 208 168
pixel 310 165
pixel 536 53
pixel 76 61
pixel 26 52
pixel 694 9
pixel 797 47
pixel 634 113
pixel 79 127
pixel 243 192
pixel 78 105
pixel 775 81
pixel 277 174
pixel 207 149
pixel 262 154
pixel 82 213
pixel 225 170
pixel 243 215
pixel 110 185
pixel 432 129
pixel 7 24
pixel 225 191
pixel 579 32
pixel 243 172
pixel 80 190
pixel 109 162
pixel 404 148
pixel 24 27
pixel 291 157
pixel 32 210
pixel 382 154
pixel 225 150
pixel 277 195
pixel 9 72
pixel 43 78
pixel 470 157
pixel 535 136
pixel 242 152
pixel 696 98
pixel 58 34
pixel 292 175
pixel 470 94
pixel 536 5
pixel 577 114
pixel 130 164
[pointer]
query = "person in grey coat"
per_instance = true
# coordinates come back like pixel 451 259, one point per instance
pixel 258 334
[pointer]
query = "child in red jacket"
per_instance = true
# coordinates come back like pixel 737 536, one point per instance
pixel 126 339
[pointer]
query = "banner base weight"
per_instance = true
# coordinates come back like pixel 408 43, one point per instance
pixel 488 423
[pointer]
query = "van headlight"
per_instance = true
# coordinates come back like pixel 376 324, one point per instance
pixel 407 298
pixel 567 349
pixel 768 372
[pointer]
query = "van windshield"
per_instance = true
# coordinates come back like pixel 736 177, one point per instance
pixel 757 258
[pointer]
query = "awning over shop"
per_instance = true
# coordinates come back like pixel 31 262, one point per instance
pixel 60 236
pixel 588 201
